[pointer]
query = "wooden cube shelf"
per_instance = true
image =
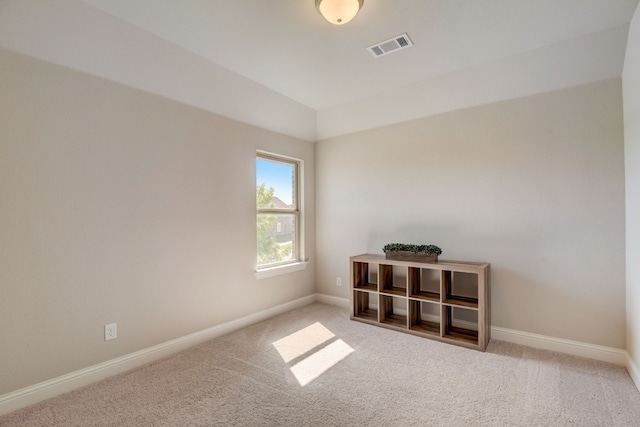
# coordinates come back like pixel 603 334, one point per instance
pixel 447 301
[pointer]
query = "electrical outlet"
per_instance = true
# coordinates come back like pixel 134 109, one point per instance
pixel 339 281
pixel 110 331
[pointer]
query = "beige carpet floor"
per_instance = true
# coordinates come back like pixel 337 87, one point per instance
pixel 315 367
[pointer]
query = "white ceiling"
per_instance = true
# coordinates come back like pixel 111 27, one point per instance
pixel 287 46
pixel 494 49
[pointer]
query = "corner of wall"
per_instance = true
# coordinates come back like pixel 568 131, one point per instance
pixel 634 371
pixel 631 100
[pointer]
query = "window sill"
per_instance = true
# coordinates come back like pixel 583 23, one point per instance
pixel 280 269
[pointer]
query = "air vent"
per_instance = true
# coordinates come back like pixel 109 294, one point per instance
pixel 389 46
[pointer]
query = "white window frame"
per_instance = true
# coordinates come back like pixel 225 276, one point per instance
pixel 299 262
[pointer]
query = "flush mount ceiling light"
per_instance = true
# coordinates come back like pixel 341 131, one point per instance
pixel 339 12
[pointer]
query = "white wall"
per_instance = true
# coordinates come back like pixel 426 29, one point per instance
pixel 122 206
pixel 535 186
pixel 631 94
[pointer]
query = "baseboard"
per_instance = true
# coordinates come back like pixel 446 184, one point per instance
pixel 29 395
pixel 634 372
pixel 576 348
pixel 330 299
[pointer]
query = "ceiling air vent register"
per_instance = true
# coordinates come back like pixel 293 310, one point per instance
pixel 394 44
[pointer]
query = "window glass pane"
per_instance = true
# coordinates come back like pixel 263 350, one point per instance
pixel 278 180
pixel 277 210
pixel 276 238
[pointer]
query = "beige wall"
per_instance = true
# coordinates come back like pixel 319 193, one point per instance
pixel 535 186
pixel 121 206
pixel 631 94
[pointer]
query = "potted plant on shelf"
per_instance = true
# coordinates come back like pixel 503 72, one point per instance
pixel 405 252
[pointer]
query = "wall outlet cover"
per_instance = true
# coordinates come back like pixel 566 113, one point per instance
pixel 110 331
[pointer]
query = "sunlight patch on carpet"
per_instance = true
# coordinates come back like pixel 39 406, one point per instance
pixel 302 341
pixel 311 342
pixel 319 362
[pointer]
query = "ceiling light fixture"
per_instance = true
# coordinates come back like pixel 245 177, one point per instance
pixel 339 12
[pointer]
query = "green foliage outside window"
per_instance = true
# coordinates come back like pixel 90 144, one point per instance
pixel 269 250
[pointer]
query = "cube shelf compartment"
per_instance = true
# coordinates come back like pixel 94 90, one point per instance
pixel 447 301
pixel 363 277
pixel 363 307
pixel 424 317
pixel 392 279
pixel 392 311
pixel 424 284
pixel 468 299
pixel 457 326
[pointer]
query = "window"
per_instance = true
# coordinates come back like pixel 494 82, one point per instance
pixel 278 223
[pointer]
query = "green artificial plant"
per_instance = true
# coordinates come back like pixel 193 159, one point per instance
pixel 416 249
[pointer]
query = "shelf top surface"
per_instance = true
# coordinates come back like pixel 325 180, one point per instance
pixel 439 265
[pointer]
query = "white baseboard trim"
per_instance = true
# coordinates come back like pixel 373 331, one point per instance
pixel 32 394
pixel 575 348
pixel 634 371
pixel 330 299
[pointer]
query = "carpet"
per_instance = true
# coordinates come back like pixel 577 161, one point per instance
pixel 315 367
